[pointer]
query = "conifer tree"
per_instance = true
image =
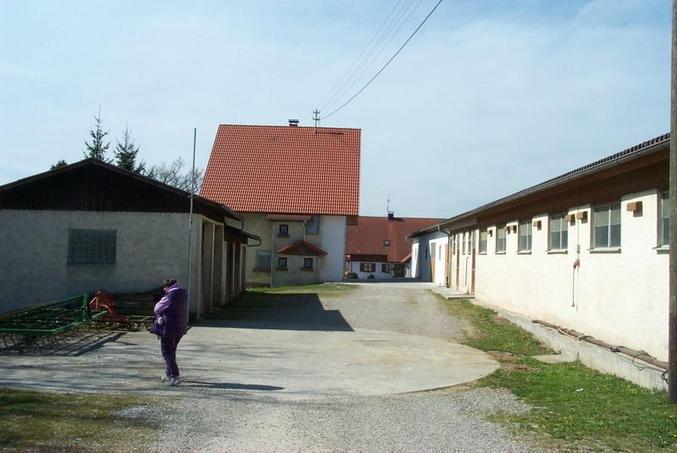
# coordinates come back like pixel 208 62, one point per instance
pixel 59 164
pixel 126 153
pixel 97 147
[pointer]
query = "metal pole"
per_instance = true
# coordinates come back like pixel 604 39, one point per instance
pixel 672 329
pixel 190 225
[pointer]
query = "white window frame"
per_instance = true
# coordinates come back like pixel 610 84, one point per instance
pixel 563 228
pixel 522 226
pixel 605 210
pixel 663 219
pixel 499 250
pixel 482 246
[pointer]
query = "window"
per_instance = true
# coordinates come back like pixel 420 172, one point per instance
pixel 524 243
pixel 483 242
pixel 664 220
pixel 91 246
pixel 282 263
pixel 367 267
pixel 500 239
pixel 307 263
pixel 263 261
pixel 283 230
pixel 606 221
pixel 385 268
pixel 313 225
pixel 559 233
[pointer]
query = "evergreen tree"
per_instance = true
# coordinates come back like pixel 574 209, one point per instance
pixel 97 147
pixel 59 164
pixel 126 153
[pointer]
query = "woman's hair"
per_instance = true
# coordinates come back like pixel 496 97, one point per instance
pixel 168 282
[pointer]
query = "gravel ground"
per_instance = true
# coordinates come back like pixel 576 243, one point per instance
pixel 414 311
pixel 440 420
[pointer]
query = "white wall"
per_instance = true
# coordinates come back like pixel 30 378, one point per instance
pixel 421 254
pixel 332 239
pixel 619 297
pixel 34 252
pixel 355 267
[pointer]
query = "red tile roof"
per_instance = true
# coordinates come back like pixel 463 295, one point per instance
pixel 368 235
pixel 285 170
pixel 302 248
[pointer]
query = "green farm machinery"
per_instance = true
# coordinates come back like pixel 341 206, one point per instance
pixel 52 324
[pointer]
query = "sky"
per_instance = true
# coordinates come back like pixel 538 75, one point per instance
pixel 490 97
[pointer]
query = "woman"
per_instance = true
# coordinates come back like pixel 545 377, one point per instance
pixel 171 319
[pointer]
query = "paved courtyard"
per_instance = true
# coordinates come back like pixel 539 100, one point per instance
pixel 341 370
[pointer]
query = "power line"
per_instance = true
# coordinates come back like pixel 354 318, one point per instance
pixel 387 62
pixel 347 75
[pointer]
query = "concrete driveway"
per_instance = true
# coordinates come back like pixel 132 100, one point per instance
pixel 374 340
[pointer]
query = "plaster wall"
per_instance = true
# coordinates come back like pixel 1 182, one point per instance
pixel 421 256
pixel 150 247
pixel 355 267
pixel 331 239
pixel 619 296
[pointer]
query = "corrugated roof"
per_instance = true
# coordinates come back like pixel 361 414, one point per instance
pixel 629 154
pixel 285 170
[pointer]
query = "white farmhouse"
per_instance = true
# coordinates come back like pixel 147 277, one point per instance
pixel 296 188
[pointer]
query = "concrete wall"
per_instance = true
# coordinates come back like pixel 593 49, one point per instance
pixel 618 295
pixel 34 260
pixel 331 239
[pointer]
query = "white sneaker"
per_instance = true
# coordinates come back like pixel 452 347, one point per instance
pixel 165 378
pixel 175 381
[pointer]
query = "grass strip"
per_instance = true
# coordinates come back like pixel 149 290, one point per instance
pixel 576 407
pixel 45 421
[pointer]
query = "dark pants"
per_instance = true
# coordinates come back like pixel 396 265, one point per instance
pixel 168 346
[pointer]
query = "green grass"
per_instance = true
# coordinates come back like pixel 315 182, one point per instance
pixel 321 289
pixel 492 333
pixel 574 407
pixel 41 421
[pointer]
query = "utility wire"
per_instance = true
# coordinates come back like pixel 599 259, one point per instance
pixel 344 79
pixel 356 78
pixel 386 64
pixel 390 35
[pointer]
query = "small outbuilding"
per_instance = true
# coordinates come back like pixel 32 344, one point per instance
pixel 91 225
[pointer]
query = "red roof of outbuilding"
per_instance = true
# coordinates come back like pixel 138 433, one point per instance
pixel 302 248
pixel 285 170
pixel 368 235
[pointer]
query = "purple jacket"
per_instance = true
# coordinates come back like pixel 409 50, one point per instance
pixel 172 311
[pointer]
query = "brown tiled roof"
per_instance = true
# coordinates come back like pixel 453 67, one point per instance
pixel 302 248
pixel 285 170
pixel 368 235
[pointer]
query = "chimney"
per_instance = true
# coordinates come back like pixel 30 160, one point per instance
pixel 293 123
pixel 391 215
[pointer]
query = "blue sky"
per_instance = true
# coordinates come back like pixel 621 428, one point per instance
pixel 490 96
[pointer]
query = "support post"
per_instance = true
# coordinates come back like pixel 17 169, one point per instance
pixel 672 327
pixel 190 227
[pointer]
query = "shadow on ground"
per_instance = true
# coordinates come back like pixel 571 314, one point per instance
pixel 254 310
